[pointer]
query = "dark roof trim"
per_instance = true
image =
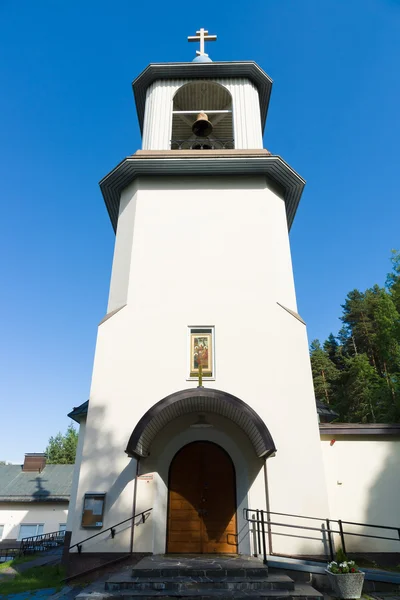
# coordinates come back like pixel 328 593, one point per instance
pixel 359 428
pixel 79 412
pixel 325 412
pixel 30 499
pixel 273 167
pixel 191 70
pixel 190 400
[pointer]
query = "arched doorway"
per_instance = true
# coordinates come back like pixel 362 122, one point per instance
pixel 202 501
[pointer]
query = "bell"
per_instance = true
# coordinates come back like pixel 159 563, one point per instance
pixel 202 126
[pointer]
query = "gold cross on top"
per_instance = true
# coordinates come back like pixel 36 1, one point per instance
pixel 202 36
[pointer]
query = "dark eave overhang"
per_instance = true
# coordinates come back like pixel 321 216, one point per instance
pixel 273 167
pixel 248 69
pixel 79 412
pixel 197 400
pixel 356 429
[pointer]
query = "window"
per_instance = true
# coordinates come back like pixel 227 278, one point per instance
pixel 30 530
pixel 1 532
pixel 62 527
pixel 201 353
pixel 93 510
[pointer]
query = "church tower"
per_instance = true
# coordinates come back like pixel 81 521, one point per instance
pixel 202 401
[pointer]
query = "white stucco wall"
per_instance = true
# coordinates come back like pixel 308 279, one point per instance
pixel 157 125
pixel 204 251
pixel 13 514
pixel 76 475
pixel 363 482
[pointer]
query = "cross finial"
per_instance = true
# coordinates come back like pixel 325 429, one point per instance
pixel 202 36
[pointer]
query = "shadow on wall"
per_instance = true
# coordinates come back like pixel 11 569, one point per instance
pixel 105 469
pixel 368 494
pixel 382 504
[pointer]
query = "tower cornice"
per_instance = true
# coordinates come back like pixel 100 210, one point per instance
pixel 209 70
pixel 198 162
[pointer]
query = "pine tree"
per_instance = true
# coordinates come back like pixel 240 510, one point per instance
pixel 324 372
pixel 393 279
pixel 361 394
pixel 61 448
pixel 334 351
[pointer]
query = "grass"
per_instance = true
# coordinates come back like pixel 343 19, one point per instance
pixel 34 578
pixel 16 561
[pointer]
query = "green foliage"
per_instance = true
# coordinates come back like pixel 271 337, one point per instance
pixel 34 579
pixel 357 372
pixel 324 372
pixel 340 556
pixel 61 449
pixel 4 566
pixel 342 564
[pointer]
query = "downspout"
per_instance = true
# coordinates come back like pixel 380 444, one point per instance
pixel 134 504
pixel 268 507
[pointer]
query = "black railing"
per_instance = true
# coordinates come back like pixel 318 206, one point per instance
pixel 42 543
pixel 7 554
pixel 262 522
pixel 204 144
pixel 113 529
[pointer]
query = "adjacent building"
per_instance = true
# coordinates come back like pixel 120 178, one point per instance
pixel 34 499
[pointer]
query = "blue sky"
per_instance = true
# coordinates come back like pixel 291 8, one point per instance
pixel 68 117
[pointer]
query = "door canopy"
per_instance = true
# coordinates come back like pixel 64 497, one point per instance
pixel 200 400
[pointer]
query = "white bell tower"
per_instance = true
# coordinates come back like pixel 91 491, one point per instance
pixel 202 215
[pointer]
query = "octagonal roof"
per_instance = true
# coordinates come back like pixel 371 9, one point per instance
pixel 209 70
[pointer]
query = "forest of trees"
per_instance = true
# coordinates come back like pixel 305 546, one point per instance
pixel 357 372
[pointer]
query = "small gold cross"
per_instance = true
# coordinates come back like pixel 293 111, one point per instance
pixel 202 36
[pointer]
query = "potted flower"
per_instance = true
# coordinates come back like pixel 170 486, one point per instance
pixel 345 577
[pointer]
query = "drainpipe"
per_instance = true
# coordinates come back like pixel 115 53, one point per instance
pixel 134 504
pixel 268 506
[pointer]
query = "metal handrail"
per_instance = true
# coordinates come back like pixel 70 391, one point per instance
pixel 112 529
pixel 260 521
pixel 324 519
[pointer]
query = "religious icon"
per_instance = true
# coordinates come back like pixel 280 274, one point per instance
pixel 201 353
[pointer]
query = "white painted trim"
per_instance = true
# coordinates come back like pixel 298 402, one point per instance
pixel 193 112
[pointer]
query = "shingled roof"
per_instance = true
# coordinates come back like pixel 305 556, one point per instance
pixel 53 484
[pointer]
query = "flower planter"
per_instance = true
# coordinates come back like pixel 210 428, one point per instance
pixel 346 585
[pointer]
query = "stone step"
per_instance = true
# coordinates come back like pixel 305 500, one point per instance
pixel 258 572
pixel 180 583
pixel 190 594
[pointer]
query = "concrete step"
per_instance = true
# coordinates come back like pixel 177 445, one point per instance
pixel 180 583
pixel 257 572
pixel 306 592
pixel 189 595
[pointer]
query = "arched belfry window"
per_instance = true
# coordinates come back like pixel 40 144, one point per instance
pixel 202 101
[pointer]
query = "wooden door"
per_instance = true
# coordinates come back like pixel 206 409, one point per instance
pixel 202 501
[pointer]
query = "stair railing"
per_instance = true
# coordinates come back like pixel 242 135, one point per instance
pixel 42 542
pixel 261 518
pixel 7 554
pixel 144 514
